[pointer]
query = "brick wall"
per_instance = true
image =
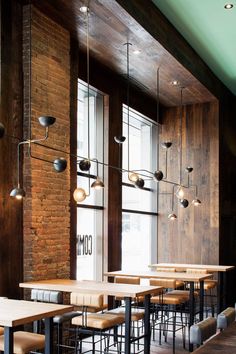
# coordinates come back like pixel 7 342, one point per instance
pixel 46 206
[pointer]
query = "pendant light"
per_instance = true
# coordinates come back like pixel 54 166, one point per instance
pixel 98 184
pixel 132 175
pixel 180 191
pixel 85 164
pixel 158 174
pixel 172 216
pixel 79 194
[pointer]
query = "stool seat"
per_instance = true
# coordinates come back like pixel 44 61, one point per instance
pixel 65 317
pixel 1 330
pixel 136 314
pixel 98 321
pixel 183 293
pixel 25 342
pixel 168 299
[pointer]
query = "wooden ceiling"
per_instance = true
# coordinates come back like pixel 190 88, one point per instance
pixel 110 27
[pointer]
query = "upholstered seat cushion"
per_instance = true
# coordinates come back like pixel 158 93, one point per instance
pixel 225 318
pixel 25 342
pixel 98 321
pixel 183 293
pixel 1 330
pixel 168 299
pixel 203 330
pixel 136 314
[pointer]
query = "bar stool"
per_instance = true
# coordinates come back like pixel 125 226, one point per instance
pixel 209 285
pixel 94 323
pixel 55 297
pixel 25 342
pixel 127 280
pixel 178 283
pixel 168 303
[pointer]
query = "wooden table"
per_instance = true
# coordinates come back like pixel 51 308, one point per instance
pixel 222 343
pixel 128 291
pixel 190 278
pixel 18 312
pixel 220 269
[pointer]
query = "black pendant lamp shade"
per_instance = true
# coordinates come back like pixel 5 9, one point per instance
pixel 166 144
pixel 46 121
pixel 60 164
pixel 184 203
pixel 2 130
pixel 85 165
pixel 158 175
pixel 119 139
pixel 139 183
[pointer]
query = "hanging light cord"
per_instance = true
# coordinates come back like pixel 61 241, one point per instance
pixel 181 148
pixel 88 83
pixel 30 70
pixel 128 95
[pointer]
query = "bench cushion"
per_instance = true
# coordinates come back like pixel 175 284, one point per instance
pixel 203 330
pixel 225 318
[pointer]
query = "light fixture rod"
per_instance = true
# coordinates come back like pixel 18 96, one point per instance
pixel 181 142
pixel 88 83
pixel 128 96
pixel 30 70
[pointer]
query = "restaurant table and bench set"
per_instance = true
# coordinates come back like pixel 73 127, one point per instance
pixel 112 331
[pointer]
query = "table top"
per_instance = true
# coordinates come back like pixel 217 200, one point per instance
pixel 19 312
pixel 184 266
pixel 105 288
pixel 223 343
pixel 164 275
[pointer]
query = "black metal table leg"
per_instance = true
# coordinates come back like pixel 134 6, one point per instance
pixel 201 300
pixel 49 335
pixel 191 310
pixel 127 324
pixel 8 340
pixel 224 287
pixel 147 330
pixel 220 290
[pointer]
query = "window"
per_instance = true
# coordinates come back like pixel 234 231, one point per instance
pixel 139 206
pixel 90 211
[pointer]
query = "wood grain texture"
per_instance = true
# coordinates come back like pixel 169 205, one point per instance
pixel 11 116
pixel 113 289
pixel 163 275
pixel 164 32
pixel 184 266
pixel 111 26
pixel 194 236
pixel 17 312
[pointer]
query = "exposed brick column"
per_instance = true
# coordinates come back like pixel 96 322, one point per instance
pixel 46 206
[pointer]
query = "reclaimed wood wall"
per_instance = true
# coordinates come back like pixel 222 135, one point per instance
pixel 194 236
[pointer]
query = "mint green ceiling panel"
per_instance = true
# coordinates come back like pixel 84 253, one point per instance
pixel 210 30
